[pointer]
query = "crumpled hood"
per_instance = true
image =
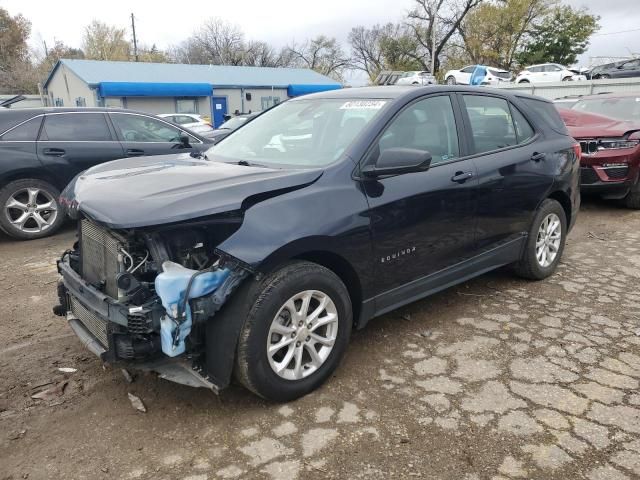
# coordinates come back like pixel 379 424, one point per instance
pixel 590 125
pixel 147 191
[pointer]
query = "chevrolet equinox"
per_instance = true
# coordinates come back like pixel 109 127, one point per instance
pixel 256 259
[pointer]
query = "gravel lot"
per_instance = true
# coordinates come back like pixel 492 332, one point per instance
pixel 497 378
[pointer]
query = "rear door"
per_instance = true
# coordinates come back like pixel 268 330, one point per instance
pixel 144 135
pixel 513 176
pixel 71 142
pixel 421 222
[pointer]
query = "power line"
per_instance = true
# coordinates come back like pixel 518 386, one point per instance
pixel 615 33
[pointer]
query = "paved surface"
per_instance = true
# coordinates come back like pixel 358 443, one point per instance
pixel 497 378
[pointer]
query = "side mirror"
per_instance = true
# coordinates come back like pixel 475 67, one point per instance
pixel 396 161
pixel 184 141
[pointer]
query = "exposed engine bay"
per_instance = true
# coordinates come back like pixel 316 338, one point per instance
pixel 156 287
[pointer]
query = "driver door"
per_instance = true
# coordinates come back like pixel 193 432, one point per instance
pixel 144 135
pixel 421 222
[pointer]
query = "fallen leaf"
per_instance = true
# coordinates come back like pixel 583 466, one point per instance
pixel 67 370
pixel 137 403
pixel 51 393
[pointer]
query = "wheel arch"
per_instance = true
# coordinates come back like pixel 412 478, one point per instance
pixel 563 199
pixel 343 269
pixel 38 174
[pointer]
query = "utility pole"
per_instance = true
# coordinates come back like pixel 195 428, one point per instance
pixel 433 45
pixel 135 42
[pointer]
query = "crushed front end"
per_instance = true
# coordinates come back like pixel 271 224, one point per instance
pixel 144 296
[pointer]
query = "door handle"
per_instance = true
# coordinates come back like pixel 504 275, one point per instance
pixel 461 177
pixel 536 157
pixel 54 152
pixel 134 152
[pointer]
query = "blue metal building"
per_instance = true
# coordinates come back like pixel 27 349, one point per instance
pixel 210 90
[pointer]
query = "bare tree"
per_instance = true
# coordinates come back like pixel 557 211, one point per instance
pixel 445 16
pixel 222 42
pixel 322 54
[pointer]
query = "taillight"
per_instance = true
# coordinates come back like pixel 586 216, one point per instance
pixel 577 150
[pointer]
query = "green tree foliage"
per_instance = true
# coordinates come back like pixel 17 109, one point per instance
pixel 493 33
pixel 561 37
pixel 105 42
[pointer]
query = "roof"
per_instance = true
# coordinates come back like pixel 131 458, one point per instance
pixel 95 72
pixel 398 91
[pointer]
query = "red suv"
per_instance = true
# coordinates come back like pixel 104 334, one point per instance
pixel 608 129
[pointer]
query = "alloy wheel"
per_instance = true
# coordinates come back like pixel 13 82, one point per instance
pixel 302 335
pixel 548 240
pixel 31 210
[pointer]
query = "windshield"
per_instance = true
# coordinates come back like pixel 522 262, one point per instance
pixel 625 108
pixel 301 133
pixel 234 123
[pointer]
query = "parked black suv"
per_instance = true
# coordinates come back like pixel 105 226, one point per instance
pixel 42 149
pixel 261 257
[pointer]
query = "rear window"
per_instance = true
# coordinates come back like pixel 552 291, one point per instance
pixel 548 113
pixel 76 126
pixel 28 131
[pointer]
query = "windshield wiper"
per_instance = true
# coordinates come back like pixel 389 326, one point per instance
pixel 246 163
pixel 201 155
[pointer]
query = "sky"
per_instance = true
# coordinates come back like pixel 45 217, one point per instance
pixel 279 21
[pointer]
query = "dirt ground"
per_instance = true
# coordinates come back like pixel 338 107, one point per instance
pixel 497 378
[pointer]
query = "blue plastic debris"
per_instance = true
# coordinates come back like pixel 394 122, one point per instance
pixel 171 286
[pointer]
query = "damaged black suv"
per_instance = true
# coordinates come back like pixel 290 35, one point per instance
pixel 257 259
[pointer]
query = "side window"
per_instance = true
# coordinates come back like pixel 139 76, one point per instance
pixel 88 127
pixel 469 69
pixel 524 130
pixel 428 124
pixel 548 113
pixel 28 131
pixel 139 128
pixel 491 123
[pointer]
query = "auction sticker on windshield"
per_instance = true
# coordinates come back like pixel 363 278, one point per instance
pixel 363 105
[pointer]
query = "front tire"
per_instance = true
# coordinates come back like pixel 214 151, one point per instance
pixel 30 209
pixel 295 333
pixel 632 200
pixel 451 80
pixel 545 242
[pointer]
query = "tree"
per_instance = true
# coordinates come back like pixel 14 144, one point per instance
pixel 494 32
pixel 445 16
pixel 151 54
pixel 220 42
pixel 322 54
pixel 17 73
pixel 384 47
pixel 561 37
pixel 104 42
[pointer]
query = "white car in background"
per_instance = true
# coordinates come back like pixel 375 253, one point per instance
pixel 417 78
pixel 191 121
pixel 463 76
pixel 548 72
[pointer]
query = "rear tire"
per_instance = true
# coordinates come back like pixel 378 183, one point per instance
pixel 451 80
pixel 30 209
pixel 543 250
pixel 604 76
pixel 273 357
